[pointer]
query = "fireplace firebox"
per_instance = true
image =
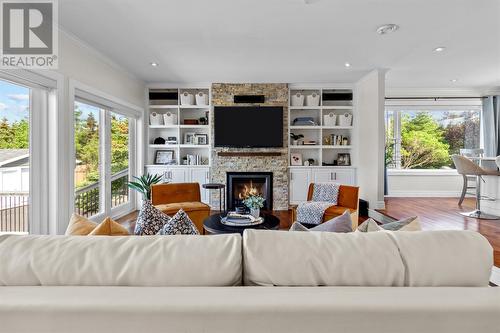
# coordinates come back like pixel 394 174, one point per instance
pixel 240 185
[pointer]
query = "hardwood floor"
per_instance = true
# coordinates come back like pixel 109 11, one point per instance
pixel 443 214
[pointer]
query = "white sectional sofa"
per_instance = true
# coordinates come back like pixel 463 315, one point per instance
pixel 267 281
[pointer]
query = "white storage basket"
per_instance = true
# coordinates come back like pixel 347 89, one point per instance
pixel 187 98
pixel 312 100
pixel 329 119
pixel 201 98
pixel 155 119
pixel 170 118
pixel 345 119
pixel 297 99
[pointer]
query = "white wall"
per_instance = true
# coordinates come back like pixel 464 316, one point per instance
pixel 370 92
pixel 79 62
pixel 424 183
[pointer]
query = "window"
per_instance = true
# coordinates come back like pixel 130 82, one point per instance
pixel 103 144
pixel 14 157
pixel 425 136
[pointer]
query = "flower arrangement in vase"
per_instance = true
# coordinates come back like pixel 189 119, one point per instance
pixel 254 203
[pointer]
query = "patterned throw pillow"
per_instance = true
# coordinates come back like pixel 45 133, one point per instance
pixel 180 224
pixel 150 219
pixel 342 223
pixel 408 224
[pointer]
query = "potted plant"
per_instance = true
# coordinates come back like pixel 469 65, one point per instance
pixel 143 184
pixel 296 138
pixel 254 203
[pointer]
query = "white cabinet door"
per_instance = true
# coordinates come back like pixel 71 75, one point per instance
pixel 299 185
pixel 323 176
pixel 170 175
pixel 345 177
pixel 341 176
pixel 201 176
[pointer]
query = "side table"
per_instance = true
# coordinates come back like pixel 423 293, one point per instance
pixel 220 187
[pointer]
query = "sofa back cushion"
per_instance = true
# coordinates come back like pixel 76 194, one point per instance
pixel 447 258
pixel 321 259
pixel 180 260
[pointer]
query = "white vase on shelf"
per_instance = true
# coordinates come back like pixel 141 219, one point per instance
pixel 255 212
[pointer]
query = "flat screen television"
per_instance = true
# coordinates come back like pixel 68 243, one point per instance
pixel 248 126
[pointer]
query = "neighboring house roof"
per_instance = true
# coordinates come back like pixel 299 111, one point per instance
pixel 14 157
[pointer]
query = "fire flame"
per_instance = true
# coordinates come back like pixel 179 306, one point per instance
pixel 248 191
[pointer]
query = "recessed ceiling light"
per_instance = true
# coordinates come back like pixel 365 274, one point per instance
pixel 387 28
pixel 154 64
pixel 439 49
pixel 347 64
pixel 453 80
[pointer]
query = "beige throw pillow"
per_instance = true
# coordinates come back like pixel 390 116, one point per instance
pixel 108 227
pixel 408 224
pixel 79 226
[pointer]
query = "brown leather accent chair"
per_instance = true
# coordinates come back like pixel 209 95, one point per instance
pixel 348 199
pixel 169 198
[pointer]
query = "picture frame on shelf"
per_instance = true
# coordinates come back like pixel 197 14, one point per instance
pixel 201 139
pixel 164 157
pixel 344 159
pixel 189 138
pixel 296 159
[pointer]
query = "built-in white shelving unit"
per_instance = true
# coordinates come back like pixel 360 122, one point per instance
pixel 168 101
pixel 337 102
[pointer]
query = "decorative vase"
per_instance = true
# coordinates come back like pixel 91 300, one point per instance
pixel 255 212
pixel 295 142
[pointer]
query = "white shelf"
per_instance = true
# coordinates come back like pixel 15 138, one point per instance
pixel 337 107
pixel 337 127
pixel 163 146
pixel 336 147
pixel 163 106
pixel 304 146
pixel 163 126
pixel 305 107
pixel 194 106
pixel 305 127
pixel 194 146
pixel 194 126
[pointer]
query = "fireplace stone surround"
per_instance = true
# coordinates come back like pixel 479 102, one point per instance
pixel 276 94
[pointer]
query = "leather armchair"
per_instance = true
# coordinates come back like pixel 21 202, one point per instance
pixel 348 199
pixel 169 198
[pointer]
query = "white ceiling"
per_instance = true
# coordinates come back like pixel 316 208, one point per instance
pixel 291 41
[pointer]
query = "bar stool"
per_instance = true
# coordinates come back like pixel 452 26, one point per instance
pixel 469 181
pixel 468 168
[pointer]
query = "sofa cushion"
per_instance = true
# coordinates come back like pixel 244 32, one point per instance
pixel 79 226
pixel 108 227
pixel 172 208
pixel 120 260
pixel 150 219
pixel 249 310
pixel 321 259
pixel 342 223
pixel 179 224
pixel 445 258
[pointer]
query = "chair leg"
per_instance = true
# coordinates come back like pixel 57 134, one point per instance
pixel 477 213
pixel 464 190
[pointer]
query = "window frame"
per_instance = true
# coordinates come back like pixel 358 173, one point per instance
pixel 45 93
pixel 107 105
pixel 400 105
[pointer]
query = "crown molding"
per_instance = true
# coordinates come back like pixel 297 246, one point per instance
pixel 433 92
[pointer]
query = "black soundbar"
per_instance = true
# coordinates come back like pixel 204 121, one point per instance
pixel 249 98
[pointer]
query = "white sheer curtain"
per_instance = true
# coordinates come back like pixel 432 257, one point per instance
pixel 491 126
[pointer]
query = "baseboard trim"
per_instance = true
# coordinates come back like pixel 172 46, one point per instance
pixel 424 194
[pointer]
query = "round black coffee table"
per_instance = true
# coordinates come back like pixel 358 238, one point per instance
pixel 213 225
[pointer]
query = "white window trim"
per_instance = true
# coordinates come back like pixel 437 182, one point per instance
pixel 43 149
pixel 412 104
pixel 92 96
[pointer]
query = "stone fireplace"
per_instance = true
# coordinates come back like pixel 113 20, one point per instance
pixel 263 160
pixel 240 185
